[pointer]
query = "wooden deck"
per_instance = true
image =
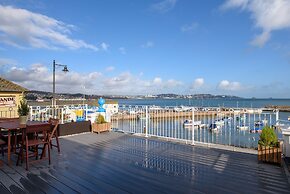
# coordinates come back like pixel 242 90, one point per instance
pixel 118 163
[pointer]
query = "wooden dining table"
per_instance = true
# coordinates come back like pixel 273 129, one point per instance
pixel 14 126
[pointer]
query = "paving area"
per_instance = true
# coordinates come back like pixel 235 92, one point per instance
pixel 119 163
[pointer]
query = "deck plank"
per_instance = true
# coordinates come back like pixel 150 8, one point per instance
pixel 120 163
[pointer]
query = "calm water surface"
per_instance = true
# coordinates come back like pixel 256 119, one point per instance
pixel 254 103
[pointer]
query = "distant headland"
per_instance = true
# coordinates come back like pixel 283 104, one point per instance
pixel 43 95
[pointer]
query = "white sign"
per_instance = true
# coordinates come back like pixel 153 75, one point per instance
pixel 7 101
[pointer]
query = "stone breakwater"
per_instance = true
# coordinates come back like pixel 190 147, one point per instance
pixel 282 108
pixel 171 114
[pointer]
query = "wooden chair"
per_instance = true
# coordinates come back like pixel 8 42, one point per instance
pixel 2 144
pixel 31 142
pixel 54 133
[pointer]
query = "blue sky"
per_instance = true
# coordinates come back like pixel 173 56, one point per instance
pixel 234 47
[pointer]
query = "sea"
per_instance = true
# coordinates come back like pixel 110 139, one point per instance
pixel 227 135
pixel 243 102
pixel 232 103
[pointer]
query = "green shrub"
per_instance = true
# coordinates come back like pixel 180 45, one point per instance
pixel 23 108
pixel 100 119
pixel 268 137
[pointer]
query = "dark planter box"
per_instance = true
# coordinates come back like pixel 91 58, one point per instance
pixel 74 128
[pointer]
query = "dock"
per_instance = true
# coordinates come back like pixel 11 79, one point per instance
pixel 281 108
pixel 169 114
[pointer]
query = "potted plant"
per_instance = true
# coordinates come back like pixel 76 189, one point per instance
pixel 269 148
pixel 23 110
pixel 101 124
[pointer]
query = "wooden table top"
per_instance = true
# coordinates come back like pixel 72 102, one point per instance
pixel 13 125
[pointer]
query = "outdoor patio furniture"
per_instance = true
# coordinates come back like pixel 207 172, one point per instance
pixel 54 133
pixel 31 142
pixel 2 144
pixel 9 127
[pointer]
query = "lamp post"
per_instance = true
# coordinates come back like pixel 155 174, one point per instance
pixel 65 69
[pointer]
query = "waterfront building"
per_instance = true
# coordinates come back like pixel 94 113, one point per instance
pixel 111 107
pixel 10 96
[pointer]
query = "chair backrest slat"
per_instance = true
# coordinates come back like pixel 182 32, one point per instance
pixel 55 123
pixel 38 128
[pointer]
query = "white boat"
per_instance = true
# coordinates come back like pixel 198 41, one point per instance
pixel 219 122
pixel 155 108
pixel 182 108
pixel 214 128
pixel 289 118
pixel 243 127
pixel 189 123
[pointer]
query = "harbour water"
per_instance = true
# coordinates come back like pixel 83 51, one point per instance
pixel 244 103
pixel 228 134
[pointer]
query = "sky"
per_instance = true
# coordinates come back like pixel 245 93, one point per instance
pixel 129 47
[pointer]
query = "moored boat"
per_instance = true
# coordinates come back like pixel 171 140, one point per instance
pixel 258 126
pixel 189 123
pixel 214 128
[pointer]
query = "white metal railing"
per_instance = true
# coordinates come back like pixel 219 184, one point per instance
pixel 237 127
pixel 66 113
pixel 207 125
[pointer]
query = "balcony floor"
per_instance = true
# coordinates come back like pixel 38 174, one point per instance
pixel 119 163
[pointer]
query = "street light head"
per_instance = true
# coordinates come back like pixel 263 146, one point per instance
pixel 65 69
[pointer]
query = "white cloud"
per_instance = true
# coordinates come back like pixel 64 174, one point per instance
pixel 164 6
pixel 198 83
pixel 171 83
pixel 5 61
pixel 39 77
pixel 157 80
pixel 229 86
pixel 268 15
pixel 21 28
pixel 123 50
pixel 189 27
pixel 148 44
pixel 110 68
pixel 104 46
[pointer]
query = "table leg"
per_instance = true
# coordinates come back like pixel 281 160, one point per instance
pixel 9 148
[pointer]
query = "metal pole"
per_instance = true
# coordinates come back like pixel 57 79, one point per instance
pixel 146 124
pixel 53 83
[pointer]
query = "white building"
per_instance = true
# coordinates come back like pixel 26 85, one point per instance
pixel 111 107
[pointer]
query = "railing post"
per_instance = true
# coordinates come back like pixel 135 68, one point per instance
pixel 192 127
pixel 30 107
pixel 277 115
pixel 86 111
pixel 146 122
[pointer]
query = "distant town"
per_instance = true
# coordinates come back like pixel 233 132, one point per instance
pixel 34 95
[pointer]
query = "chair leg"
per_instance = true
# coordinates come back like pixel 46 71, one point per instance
pixel 26 159
pixel 2 150
pixel 48 153
pixel 57 143
pixel 36 152
pixel 20 155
